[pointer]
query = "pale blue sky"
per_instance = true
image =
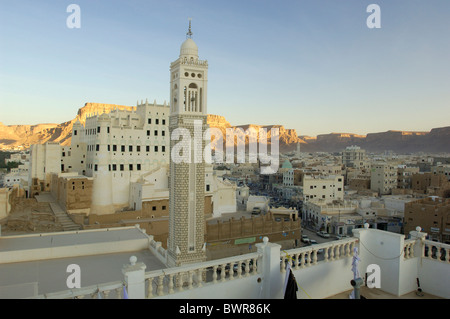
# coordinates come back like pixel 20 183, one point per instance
pixel 313 66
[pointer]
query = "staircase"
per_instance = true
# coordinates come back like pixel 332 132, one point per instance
pixel 62 218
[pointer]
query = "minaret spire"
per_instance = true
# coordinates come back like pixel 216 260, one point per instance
pixel 189 33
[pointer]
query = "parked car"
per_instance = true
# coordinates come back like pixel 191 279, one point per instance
pixel 256 211
pixel 305 239
pixel 323 234
pixel 314 242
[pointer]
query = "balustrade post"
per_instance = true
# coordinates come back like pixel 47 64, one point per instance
pixel 180 281
pixel 255 267
pixel 160 286
pixel 239 270
pixel 314 255
pixel 351 246
pixel 200 277
pixel 297 261
pixel 247 268
pixel 223 272
pixel 283 264
pixel 418 245
pixel 231 272
pixel 171 284
pixel 190 279
pixel 150 288
pixel 302 260
pixel 214 275
pixel 438 252
pixel 134 274
pixel 118 293
pixel 338 251
pixel 325 254
pixel 308 258
pixel 269 269
pixel 430 251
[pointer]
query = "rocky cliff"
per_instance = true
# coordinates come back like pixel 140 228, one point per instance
pixel 15 136
pixel 436 141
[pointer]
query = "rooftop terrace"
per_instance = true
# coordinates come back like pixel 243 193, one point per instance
pixel 321 271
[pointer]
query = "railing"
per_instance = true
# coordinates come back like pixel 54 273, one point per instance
pixel 436 251
pixel 194 62
pixel 171 280
pixel 408 248
pixel 308 256
pixel 113 290
pixel 158 250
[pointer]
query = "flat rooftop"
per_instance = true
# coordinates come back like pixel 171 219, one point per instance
pixel 27 279
pixel 375 293
pixel 37 264
pixel 60 239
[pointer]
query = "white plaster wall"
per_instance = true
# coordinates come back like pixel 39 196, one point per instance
pixel 320 281
pixel 408 275
pixel 324 279
pixel 224 197
pixel 73 250
pixel 244 288
pixel 385 250
pixel 434 277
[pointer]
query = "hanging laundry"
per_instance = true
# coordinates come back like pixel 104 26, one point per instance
pixel 290 284
pixel 125 293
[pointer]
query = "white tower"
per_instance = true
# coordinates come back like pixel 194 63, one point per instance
pixel 188 88
pixel 189 77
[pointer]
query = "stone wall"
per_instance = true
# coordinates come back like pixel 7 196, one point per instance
pixel 249 231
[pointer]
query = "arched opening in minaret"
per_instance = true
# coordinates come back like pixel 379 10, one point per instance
pixel 185 98
pixel 175 94
pixel 192 98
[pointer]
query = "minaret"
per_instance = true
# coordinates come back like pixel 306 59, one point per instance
pixel 188 87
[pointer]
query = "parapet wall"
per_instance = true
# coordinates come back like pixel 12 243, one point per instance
pixel 252 230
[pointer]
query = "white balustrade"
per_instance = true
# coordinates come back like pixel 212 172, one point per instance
pixel 102 291
pixel 309 255
pixel 408 250
pixel 436 251
pixel 162 282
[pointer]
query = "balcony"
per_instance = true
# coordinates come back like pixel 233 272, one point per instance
pixel 321 271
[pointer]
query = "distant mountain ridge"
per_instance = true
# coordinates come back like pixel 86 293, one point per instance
pixel 435 141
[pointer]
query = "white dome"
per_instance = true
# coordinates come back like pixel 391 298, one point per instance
pixel 189 48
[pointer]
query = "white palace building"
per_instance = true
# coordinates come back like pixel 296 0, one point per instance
pixel 125 262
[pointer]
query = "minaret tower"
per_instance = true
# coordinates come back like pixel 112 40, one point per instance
pixel 188 87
